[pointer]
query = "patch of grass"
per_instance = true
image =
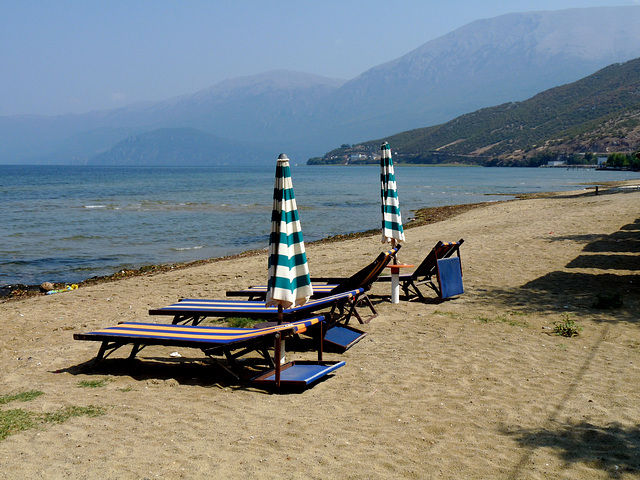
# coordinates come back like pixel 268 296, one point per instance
pixel 446 314
pixel 215 321
pixel 240 322
pixel 66 413
pixel 20 397
pixel 14 421
pixel 507 318
pixel 17 420
pixel 607 301
pixel 93 383
pixel 126 389
pixel 566 327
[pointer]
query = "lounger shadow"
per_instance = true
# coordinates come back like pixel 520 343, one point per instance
pixel 228 342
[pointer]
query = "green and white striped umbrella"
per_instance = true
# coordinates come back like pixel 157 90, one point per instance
pixel 392 230
pixel 289 282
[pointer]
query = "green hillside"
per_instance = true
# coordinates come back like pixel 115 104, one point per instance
pixel 598 114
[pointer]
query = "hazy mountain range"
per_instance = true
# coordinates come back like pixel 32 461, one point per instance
pixel 598 114
pixel 252 119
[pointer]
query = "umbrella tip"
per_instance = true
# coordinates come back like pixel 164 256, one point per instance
pixel 282 156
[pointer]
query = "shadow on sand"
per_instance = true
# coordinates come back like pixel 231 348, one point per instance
pixel 615 260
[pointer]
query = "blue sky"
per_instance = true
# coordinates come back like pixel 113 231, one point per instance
pixel 73 56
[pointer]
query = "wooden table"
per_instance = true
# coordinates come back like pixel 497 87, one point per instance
pixel 395 280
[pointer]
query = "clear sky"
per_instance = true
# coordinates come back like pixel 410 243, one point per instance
pixel 73 56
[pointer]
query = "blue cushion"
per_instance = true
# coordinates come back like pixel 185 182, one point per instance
pixel 450 277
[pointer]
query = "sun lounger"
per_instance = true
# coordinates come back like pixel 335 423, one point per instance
pixel 326 286
pixel 439 271
pixel 230 342
pixel 339 308
pixel 342 307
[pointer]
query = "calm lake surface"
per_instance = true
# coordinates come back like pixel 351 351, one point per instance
pixel 69 223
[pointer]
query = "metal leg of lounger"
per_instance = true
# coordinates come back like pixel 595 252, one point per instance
pixel 106 348
pixel 137 347
pixel 277 356
pixel 186 319
pixel 354 312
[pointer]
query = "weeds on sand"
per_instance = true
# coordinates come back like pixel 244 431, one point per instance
pixel 566 327
pixel 446 314
pixel 93 383
pixel 17 420
pixel 509 319
pixel 240 322
pixel 64 414
pixel 236 322
pixel 20 397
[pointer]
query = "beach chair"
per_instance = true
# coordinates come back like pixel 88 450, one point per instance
pixel 341 308
pixel 326 286
pixel 231 343
pixel 440 271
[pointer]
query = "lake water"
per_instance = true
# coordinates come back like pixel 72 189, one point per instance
pixel 69 223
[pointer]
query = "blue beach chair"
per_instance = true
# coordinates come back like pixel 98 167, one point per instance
pixel 230 342
pixel 341 307
pixel 326 286
pixel 440 271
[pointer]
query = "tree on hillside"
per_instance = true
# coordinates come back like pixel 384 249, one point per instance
pixel 617 160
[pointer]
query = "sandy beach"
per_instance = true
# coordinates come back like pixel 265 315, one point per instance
pixel 478 387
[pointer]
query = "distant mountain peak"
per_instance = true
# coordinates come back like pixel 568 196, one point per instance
pixel 275 80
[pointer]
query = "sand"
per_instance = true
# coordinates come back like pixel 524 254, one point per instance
pixel 476 387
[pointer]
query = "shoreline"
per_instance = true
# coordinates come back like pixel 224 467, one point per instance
pixel 423 216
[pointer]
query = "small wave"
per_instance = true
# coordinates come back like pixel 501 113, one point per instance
pixel 94 206
pixel 182 249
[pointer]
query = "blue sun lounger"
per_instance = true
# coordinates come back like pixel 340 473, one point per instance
pixel 341 307
pixel 364 278
pixel 192 310
pixel 230 342
pixel 440 264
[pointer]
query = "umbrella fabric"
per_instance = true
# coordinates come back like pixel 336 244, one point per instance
pixel 392 230
pixel 289 282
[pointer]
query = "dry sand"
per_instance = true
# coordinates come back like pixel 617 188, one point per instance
pixel 475 387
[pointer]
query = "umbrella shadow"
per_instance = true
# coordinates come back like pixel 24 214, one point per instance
pixel 611 256
pixel 613 448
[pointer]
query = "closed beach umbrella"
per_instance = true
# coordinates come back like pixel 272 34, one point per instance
pixel 289 282
pixel 392 230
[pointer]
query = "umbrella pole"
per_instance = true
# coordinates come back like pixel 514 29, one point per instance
pixel 281 354
pixel 393 245
pixel 277 355
pixel 321 345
